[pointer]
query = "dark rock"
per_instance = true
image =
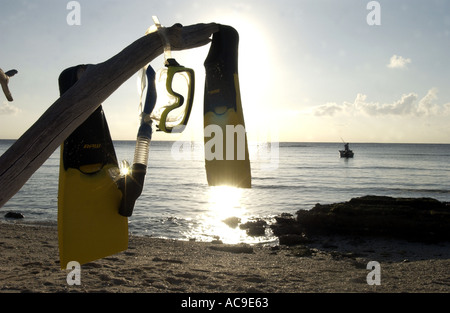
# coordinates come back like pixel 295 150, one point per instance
pixel 157 259
pixel 233 221
pixel 256 231
pixel 419 219
pixel 300 251
pixel 286 224
pixel 255 228
pixel 292 239
pixel 285 218
pixel 15 215
pixel 233 248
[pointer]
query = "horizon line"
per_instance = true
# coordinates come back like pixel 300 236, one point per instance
pixel 289 141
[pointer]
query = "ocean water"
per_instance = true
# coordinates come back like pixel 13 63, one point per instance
pixel 177 203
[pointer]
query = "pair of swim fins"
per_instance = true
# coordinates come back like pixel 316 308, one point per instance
pixel 89 199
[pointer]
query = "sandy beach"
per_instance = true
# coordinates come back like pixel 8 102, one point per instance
pixel 29 262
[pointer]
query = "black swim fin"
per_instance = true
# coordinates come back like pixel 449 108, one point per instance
pixel 227 159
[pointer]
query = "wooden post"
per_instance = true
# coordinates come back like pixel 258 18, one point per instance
pixel 99 81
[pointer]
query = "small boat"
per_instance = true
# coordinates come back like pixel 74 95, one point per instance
pixel 347 153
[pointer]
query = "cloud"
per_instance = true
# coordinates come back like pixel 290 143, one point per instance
pixel 428 107
pixel 407 105
pixel 328 109
pixel 403 106
pixel 398 62
pixel 446 109
pixel 8 109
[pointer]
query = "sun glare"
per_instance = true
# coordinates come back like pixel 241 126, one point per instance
pixel 224 202
pixel 124 168
pixel 256 66
pixel 255 74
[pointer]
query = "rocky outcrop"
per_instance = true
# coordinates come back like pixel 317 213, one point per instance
pixel 417 219
pixel 232 222
pixel 255 228
pixel 14 215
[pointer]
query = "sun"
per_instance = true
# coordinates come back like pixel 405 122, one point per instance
pixel 255 73
pixel 124 168
pixel 255 64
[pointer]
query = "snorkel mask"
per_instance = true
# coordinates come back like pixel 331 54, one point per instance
pixel 175 86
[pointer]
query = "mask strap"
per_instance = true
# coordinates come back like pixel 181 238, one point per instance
pixel 162 33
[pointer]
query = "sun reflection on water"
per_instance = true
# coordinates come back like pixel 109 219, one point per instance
pixel 220 219
pixel 225 203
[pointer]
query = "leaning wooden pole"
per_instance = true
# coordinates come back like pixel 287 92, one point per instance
pixel 37 144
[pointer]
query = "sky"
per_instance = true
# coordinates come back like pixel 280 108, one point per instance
pixel 310 70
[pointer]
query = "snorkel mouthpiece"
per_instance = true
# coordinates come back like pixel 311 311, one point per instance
pixel 131 186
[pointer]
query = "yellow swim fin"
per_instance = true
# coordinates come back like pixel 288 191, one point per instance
pixel 89 224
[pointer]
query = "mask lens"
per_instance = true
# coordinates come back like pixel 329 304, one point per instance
pixel 173 92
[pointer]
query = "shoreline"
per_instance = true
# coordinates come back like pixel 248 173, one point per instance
pixel 29 262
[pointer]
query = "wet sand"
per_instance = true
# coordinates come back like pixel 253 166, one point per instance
pixel 29 262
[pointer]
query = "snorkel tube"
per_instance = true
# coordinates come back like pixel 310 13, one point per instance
pixel 131 180
pixel 131 183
